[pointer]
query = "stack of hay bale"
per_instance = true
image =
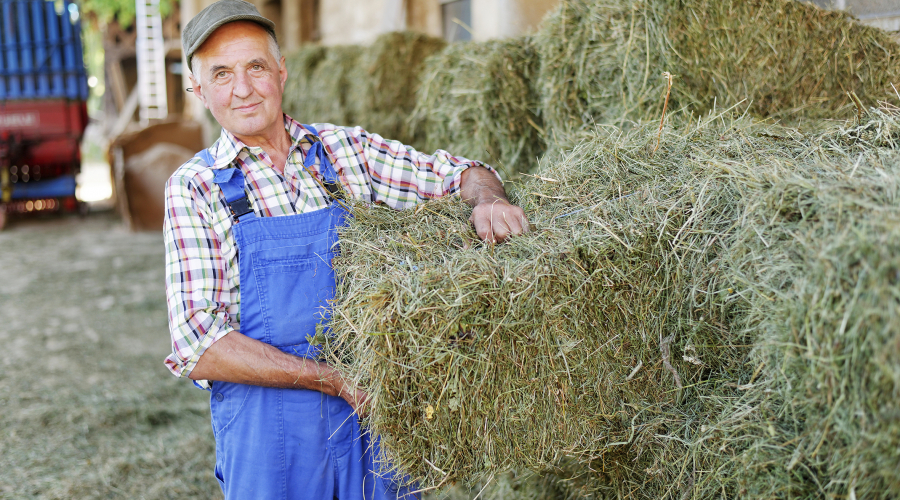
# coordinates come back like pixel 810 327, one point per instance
pixel 707 308
pixel 712 316
pixel 477 100
pixel 593 64
pixel 367 86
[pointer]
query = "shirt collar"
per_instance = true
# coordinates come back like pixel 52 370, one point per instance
pixel 228 147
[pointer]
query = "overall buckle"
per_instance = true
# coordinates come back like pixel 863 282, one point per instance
pixel 240 208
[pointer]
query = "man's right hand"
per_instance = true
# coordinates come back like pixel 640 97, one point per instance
pixel 358 399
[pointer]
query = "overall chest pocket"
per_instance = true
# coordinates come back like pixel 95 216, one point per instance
pixel 296 285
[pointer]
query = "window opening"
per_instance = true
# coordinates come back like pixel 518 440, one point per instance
pixel 457 20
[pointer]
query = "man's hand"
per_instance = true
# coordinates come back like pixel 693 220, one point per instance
pixel 358 399
pixel 495 221
pixel 494 217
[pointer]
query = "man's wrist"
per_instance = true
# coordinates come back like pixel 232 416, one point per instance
pixel 481 186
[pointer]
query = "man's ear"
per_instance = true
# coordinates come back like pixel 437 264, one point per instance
pixel 283 73
pixel 198 90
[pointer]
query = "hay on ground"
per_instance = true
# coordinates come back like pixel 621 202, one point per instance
pixel 477 101
pixel 612 344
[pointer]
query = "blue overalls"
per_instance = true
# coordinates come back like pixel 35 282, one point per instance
pixel 289 443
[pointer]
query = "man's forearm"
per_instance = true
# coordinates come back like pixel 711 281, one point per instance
pixel 240 359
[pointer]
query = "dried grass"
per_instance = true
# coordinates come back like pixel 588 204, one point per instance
pixel 477 100
pixel 620 344
pixel 301 65
pixel 600 63
pixel 382 96
pixel 706 309
pixel 789 59
pixel 319 79
pixel 602 60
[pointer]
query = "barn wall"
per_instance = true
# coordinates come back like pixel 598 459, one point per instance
pixel 884 14
pixel 361 21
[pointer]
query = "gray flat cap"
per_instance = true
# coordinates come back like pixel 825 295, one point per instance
pixel 211 18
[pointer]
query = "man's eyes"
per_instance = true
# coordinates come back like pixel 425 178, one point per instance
pixel 224 74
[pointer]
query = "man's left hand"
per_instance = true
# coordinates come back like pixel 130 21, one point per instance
pixel 497 220
pixel 494 217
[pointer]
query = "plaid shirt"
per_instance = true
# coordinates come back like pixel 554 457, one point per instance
pixel 202 279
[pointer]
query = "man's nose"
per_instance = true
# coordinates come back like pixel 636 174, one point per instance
pixel 242 86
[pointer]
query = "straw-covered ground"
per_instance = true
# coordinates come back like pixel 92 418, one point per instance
pixel 718 314
pixel 87 409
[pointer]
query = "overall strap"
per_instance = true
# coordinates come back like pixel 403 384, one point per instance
pixel 231 180
pixel 329 175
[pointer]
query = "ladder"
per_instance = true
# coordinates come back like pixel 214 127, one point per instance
pixel 151 61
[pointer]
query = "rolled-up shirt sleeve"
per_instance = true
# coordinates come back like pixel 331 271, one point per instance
pixel 394 174
pixel 197 283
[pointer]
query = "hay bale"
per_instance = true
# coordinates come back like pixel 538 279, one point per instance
pixel 477 101
pixel 818 265
pixel 301 65
pixel 601 61
pixel 381 97
pixel 354 85
pixel 610 345
pixel 318 83
pixel 550 347
pixel 789 59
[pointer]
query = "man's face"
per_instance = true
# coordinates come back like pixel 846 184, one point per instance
pixel 241 82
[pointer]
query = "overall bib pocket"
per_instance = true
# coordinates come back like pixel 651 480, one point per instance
pixel 296 285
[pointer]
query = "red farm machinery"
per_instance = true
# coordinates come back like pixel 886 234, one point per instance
pixel 43 111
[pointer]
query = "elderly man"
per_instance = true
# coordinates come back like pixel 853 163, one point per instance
pixel 250 233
